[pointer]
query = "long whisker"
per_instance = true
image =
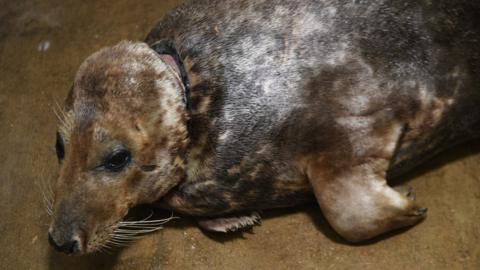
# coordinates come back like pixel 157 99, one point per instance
pixel 47 195
pixel 48 208
pixel 62 112
pixel 63 124
pixel 119 244
pixel 125 232
pixel 140 227
pixel 65 119
pixel 160 221
pixel 134 232
pixel 107 246
pixel 145 219
pixel 146 222
pixel 128 238
pixel 103 250
pixel 46 186
pixel 49 190
pixel 121 241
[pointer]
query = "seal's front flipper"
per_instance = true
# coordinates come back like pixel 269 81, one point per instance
pixel 230 223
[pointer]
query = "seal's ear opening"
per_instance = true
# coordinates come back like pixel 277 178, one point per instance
pixel 168 52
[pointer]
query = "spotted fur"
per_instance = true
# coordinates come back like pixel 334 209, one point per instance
pixel 286 101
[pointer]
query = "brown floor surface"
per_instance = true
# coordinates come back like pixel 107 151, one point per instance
pixel 41 45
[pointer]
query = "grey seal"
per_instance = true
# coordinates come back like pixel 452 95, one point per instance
pixel 232 107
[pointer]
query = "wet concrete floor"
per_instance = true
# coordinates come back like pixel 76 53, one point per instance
pixel 41 45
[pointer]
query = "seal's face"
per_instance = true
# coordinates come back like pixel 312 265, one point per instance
pixel 120 143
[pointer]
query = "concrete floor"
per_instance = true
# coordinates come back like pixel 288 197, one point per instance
pixel 41 45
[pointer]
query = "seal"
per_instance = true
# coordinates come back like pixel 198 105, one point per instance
pixel 232 107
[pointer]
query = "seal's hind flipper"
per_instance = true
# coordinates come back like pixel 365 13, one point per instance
pixel 230 223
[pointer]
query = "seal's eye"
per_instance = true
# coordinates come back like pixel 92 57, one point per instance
pixel 59 147
pixel 117 160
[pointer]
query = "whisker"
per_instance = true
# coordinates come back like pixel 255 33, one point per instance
pixel 49 211
pixel 146 222
pixel 55 111
pixel 106 249
pixel 46 187
pixel 126 237
pixel 120 244
pixel 47 198
pixel 125 232
pixel 65 119
pixel 128 232
pixel 109 243
pixel 140 230
pixel 120 241
pixel 125 240
pixel 63 125
pixel 117 245
pixel 149 216
pixel 49 190
pixel 140 227
pixel 60 109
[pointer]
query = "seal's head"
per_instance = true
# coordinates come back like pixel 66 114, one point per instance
pixel 120 143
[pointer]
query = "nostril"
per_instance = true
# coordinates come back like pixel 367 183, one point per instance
pixel 68 247
pixel 73 248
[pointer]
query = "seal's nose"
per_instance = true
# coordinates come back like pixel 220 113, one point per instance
pixel 68 247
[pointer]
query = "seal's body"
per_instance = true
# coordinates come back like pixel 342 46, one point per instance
pixel 274 82
pixel 252 105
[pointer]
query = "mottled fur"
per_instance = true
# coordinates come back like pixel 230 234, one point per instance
pixel 286 99
pixel 122 97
